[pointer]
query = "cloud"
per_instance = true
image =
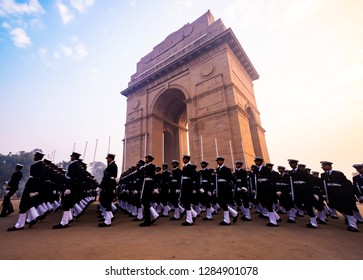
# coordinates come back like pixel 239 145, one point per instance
pixel 5 25
pixel 64 12
pixel 10 7
pixel 20 38
pixel 67 51
pixel 81 5
pixel 42 52
pixel 56 55
pixel 80 52
pixel 36 24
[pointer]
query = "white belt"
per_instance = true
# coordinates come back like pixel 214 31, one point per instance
pixel 186 178
pixel 334 185
pixel 239 180
pixel 282 184
pixel 204 181
pixel 174 180
pixel 262 180
pixel 299 182
pixel 112 178
pixel 148 179
pixel 222 180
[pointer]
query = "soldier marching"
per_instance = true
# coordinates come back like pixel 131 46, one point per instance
pixel 146 192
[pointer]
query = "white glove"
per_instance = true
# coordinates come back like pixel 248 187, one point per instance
pixel 6 192
pixel 201 191
pixel 244 189
pixel 316 197
pixel 67 191
pixel 135 192
pixel 254 192
pixel 278 193
pixel 127 191
pixel 155 191
pixel 54 192
pixel 209 193
pixel 194 191
pixel 238 189
pixel 33 194
pixel 177 191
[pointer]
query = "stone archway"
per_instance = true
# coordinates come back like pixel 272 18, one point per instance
pixel 193 93
pixel 170 109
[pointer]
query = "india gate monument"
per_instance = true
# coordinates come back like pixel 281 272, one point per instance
pixel 193 94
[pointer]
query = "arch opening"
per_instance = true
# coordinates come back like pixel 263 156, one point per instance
pixel 171 109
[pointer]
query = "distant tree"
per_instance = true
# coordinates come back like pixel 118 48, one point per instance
pixel 96 169
pixel 8 163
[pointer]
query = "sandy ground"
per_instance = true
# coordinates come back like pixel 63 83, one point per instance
pixel 168 240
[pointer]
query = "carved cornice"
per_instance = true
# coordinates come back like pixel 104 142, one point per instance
pixel 181 61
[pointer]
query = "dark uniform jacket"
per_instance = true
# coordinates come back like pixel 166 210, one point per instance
pixel 108 182
pixel 240 177
pixel 358 185
pixel 14 181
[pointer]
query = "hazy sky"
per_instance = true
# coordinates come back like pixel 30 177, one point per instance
pixel 63 64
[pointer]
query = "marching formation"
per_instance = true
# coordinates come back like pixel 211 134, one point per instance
pixel 146 192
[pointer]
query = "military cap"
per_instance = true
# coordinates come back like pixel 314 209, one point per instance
pixel 301 165
pixel 39 154
pixel 326 163
pixel 175 161
pixel 219 158
pixel 140 162
pixel 269 164
pixel 281 167
pixel 20 166
pixel 186 156
pixel 149 156
pixel 358 165
pixel 165 164
pixel 204 162
pixel 292 160
pixel 258 159
pixel 110 156
pixel 77 155
pixel 238 162
pixel 314 172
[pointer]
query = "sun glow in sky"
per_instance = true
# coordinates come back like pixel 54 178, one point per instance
pixel 63 64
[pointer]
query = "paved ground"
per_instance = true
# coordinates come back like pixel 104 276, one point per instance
pixel 167 240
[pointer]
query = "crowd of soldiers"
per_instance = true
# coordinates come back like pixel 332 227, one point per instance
pixel 146 192
pixel 49 189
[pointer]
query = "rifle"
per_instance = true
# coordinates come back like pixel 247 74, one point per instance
pixel 292 189
pixel 216 184
pixel 255 186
